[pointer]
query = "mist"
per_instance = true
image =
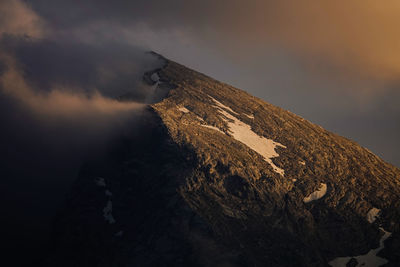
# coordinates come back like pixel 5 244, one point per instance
pixel 51 125
pixel 59 108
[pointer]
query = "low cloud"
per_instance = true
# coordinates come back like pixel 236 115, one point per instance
pixel 356 38
pixel 60 103
pixel 58 109
pixel 57 78
pixel 17 18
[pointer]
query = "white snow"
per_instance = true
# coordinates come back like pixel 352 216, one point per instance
pixel 212 127
pixel 243 133
pixel 367 260
pixel 316 194
pixel 372 214
pixel 100 182
pixel 154 77
pixel 220 105
pixel 107 213
pixel 249 116
pixel 183 109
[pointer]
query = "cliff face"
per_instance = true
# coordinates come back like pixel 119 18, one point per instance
pixel 217 177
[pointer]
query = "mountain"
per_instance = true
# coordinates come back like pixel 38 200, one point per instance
pixel 212 176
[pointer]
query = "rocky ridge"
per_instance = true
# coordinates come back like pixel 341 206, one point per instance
pixel 217 177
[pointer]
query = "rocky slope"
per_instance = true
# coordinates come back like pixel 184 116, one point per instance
pixel 217 177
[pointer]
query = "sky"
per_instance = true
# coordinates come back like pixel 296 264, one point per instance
pixel 335 63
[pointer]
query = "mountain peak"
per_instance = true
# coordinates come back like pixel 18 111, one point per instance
pixel 222 177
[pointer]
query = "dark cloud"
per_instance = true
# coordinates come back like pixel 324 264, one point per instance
pixel 58 108
pixel 46 63
pixel 358 36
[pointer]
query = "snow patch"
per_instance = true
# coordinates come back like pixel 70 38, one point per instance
pixel 100 182
pixel 212 127
pixel 183 109
pixel 243 133
pixel 316 194
pixel 107 210
pixel 372 214
pixel 107 213
pixel 367 260
pixel 220 105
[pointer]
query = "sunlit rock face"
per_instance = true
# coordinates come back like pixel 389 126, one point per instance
pixel 217 177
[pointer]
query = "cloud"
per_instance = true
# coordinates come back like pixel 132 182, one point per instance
pixel 74 80
pixel 17 18
pixel 55 75
pixel 58 109
pixel 359 37
pixel 46 137
pixel 60 103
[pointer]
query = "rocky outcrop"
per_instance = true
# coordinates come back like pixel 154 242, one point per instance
pixel 218 177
